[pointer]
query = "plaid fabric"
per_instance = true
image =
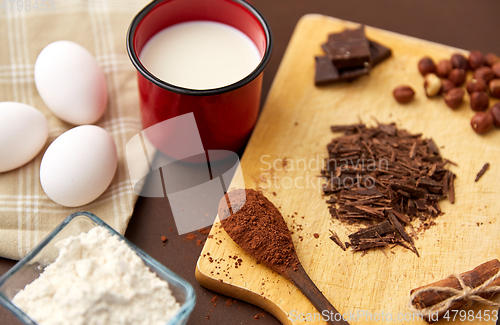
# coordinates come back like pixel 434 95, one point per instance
pixel 27 215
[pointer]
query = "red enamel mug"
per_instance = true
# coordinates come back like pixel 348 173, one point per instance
pixel 225 116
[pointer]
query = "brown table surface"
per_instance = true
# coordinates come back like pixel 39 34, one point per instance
pixel 471 24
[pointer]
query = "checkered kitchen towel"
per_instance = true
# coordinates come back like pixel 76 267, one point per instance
pixel 27 215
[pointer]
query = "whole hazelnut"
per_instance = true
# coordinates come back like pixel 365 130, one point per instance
pixel 454 97
pixel 476 60
pixel 476 85
pixel 495 88
pixel 496 69
pixel 457 76
pixel 426 65
pixel 485 73
pixel 444 68
pixel 403 94
pixel 432 85
pixel 491 59
pixel 479 101
pixel 482 122
pixel 495 112
pixel 459 61
pixel 446 85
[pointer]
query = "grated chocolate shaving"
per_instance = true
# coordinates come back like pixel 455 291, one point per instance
pixel 385 177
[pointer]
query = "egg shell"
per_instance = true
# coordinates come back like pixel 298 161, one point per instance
pixel 78 166
pixel 23 133
pixel 71 83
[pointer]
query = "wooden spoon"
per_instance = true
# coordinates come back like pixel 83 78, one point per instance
pixel 257 226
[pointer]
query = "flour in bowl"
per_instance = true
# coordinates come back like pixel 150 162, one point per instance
pixel 97 280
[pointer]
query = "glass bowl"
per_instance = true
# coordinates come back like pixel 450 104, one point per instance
pixel 30 267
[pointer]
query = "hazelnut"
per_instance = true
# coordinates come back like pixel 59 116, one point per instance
pixel 403 94
pixel 482 122
pixel 476 60
pixel 432 85
pixel 496 69
pixel 476 85
pixel 426 65
pixel 446 85
pixel 491 59
pixel 495 112
pixel 444 68
pixel 479 101
pixel 485 73
pixel 458 61
pixel 495 88
pixel 457 76
pixel 454 97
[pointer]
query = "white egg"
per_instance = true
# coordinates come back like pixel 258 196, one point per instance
pixel 78 166
pixel 71 83
pixel 23 132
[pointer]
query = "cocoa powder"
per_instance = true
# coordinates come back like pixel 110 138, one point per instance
pixel 258 227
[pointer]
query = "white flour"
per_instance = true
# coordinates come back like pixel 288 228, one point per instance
pixel 97 280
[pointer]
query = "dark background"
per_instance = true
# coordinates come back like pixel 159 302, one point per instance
pixel 472 24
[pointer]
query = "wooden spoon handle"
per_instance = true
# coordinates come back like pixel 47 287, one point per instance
pixel 302 281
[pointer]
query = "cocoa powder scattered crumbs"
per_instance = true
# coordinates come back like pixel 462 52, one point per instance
pixel 190 237
pixel 205 230
pixel 259 228
pixel 274 193
pixel 231 302
pixel 316 235
pixel 214 300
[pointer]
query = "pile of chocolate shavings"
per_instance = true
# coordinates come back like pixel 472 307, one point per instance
pixel 258 227
pixel 387 177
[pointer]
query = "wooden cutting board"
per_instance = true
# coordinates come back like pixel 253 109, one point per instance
pixel 294 125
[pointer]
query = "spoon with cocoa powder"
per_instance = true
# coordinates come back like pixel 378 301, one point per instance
pixel 259 229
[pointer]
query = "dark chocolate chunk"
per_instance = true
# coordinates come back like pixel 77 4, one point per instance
pixel 348 49
pixel 347 34
pixel 349 54
pixel 350 74
pixel 325 71
pixel 378 52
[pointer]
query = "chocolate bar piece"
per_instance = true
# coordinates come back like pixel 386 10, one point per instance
pixel 378 52
pixel 363 54
pixel 348 49
pixel 347 34
pixel 327 73
pixel 352 73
